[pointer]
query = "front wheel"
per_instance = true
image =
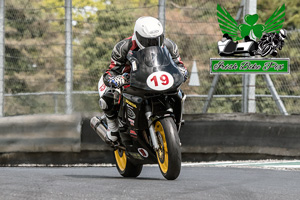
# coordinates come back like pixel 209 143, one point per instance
pixel 169 153
pixel 124 166
pixel 266 50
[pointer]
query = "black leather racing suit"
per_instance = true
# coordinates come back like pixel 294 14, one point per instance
pixel 119 65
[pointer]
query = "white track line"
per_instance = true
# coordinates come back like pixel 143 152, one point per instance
pixel 265 164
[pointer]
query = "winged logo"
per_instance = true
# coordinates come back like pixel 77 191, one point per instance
pixel 237 32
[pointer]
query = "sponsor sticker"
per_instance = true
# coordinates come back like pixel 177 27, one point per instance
pixel 130 103
pixel 133 133
pixel 143 152
pixel 131 121
pixel 136 155
pixel 130 113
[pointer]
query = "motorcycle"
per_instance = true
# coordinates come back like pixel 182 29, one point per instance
pixel 150 115
pixel 269 46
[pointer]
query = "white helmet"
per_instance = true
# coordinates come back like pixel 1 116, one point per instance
pixel 282 34
pixel 148 31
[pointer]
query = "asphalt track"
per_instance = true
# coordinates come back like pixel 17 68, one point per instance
pixel 196 181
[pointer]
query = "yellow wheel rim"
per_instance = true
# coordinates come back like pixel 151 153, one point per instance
pixel 162 153
pixel 121 159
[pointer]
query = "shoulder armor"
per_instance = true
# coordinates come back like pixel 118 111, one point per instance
pixel 172 47
pixel 120 50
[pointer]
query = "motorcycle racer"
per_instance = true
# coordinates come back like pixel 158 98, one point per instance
pixel 275 40
pixel 148 31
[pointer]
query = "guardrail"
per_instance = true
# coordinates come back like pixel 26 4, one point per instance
pixel 275 135
pixel 69 139
pixel 40 133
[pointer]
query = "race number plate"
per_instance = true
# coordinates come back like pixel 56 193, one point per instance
pixel 101 87
pixel 160 81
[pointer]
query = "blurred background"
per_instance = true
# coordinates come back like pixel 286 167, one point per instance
pixel 41 76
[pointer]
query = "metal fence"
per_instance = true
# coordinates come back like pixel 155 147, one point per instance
pixel 47 70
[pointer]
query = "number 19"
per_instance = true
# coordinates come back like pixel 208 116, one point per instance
pixel 164 80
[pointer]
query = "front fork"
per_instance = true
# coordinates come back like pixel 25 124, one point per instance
pixel 149 113
pixel 183 97
pixel 151 127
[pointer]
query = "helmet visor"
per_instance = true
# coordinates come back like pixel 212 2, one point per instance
pixel 282 35
pixel 147 42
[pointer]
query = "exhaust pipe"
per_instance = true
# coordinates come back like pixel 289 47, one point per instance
pixel 99 128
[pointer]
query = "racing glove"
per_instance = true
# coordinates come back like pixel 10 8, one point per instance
pixel 118 81
pixel 184 73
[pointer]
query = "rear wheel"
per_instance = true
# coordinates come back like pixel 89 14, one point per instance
pixel 169 153
pixel 124 166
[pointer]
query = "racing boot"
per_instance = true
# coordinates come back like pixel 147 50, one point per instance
pixel 113 130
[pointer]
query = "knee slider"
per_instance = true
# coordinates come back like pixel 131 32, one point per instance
pixel 103 105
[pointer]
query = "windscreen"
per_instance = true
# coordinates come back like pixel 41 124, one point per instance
pixel 151 60
pixel 153 57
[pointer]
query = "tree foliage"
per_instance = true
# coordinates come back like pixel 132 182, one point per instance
pixel 35 44
pixel 112 26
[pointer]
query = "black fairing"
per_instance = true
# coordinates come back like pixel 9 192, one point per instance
pixel 150 60
pixel 139 95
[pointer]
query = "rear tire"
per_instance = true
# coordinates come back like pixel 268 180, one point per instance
pixel 124 166
pixel 169 153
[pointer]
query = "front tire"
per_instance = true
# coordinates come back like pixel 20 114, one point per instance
pixel 124 166
pixel 169 153
pixel 266 50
